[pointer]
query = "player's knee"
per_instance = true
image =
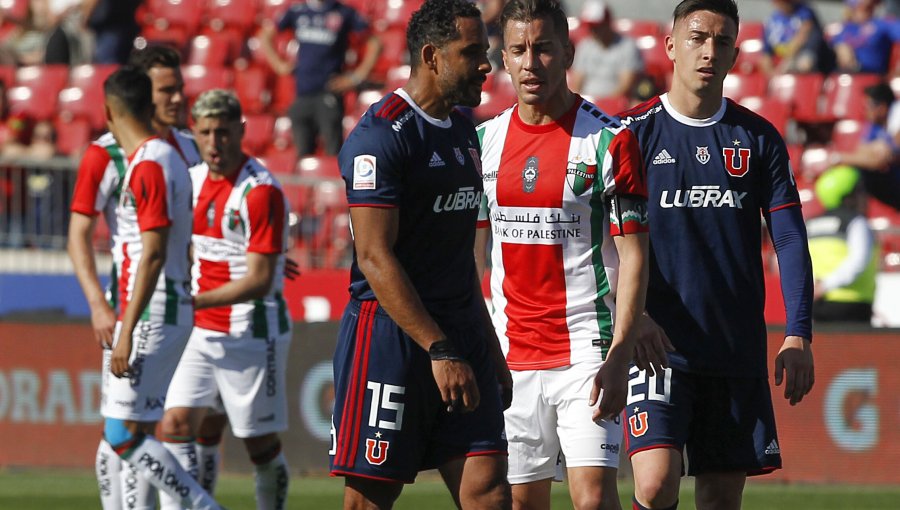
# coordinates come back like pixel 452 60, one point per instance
pixel 488 492
pixel 656 491
pixel 596 498
pixel 175 424
pixel 262 449
pixel 364 494
pixel 120 435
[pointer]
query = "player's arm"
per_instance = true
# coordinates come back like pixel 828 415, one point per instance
pixel 255 285
pixel 267 33
pixel 788 234
pixel 632 245
pixel 375 233
pixel 482 236
pixel 81 251
pixel 153 258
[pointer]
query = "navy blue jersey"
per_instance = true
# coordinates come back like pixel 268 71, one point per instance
pixel 708 182
pixel 398 156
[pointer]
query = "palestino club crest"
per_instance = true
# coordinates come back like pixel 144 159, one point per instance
pixel 737 161
pixel 638 424
pixel 376 451
pixel 580 175
pixel 702 155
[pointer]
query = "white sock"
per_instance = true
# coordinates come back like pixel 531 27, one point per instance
pixel 161 468
pixel 272 480
pixel 186 456
pixel 108 465
pixel 137 493
pixel 207 466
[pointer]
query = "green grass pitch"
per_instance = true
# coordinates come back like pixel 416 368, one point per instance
pixel 76 490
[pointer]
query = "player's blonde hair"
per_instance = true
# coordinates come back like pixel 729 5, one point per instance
pixel 217 103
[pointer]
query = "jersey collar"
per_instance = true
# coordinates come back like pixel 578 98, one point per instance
pixel 441 123
pixel 688 121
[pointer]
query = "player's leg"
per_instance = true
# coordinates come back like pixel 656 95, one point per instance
pixel 108 465
pixel 368 494
pixel 330 118
pixel 272 475
pixel 591 448
pixel 177 435
pixel 658 416
pixel 209 438
pixel 301 113
pixel 479 482
pixel 719 491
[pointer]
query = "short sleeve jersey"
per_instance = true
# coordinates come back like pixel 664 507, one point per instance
pixel 398 156
pixel 99 180
pixel 602 66
pixel 708 181
pixel 324 36
pixel 871 42
pixel 780 28
pixel 156 193
pixel 183 142
pixel 554 264
pixel 243 213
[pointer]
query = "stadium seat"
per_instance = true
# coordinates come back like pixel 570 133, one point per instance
pixel 252 88
pixel 739 86
pixel 801 91
pixel 771 109
pixel 8 75
pixel 14 9
pixel 844 97
pixel 748 61
pixel 88 76
pixel 258 130
pixel 318 168
pixel 77 103
pixel 238 15
pixel 814 161
pixel 44 80
pixel 656 62
pixel 397 13
pixel 280 160
pixel 283 93
pixel 72 136
pixel 214 50
pixel 199 79
pixel 750 30
pixel 171 36
pixel 846 134
pixel 165 15
pixel 32 103
pixel 500 97
pixel 393 53
pixel 611 105
pixel 635 28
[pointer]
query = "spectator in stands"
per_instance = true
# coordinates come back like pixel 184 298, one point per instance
pixel 114 26
pixel 40 146
pixel 324 29
pixel 67 40
pixel 644 89
pixel 794 41
pixel 843 249
pixel 878 154
pixel 607 64
pixel 15 129
pixel 864 43
pixel 26 43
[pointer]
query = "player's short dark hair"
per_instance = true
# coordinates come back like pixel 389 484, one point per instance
pixel 528 10
pixel 133 90
pixel 155 55
pixel 435 23
pixel 724 7
pixel 880 93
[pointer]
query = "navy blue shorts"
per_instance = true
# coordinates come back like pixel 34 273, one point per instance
pixel 722 423
pixel 389 422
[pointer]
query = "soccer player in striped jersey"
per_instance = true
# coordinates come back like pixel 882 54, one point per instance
pixel 416 366
pixel 238 348
pixel 155 317
pixel 714 169
pixel 565 201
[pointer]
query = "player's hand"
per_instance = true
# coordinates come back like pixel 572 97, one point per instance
pixel 796 358
pixel 651 345
pixel 456 382
pixel 291 268
pixel 343 82
pixel 118 363
pixel 612 379
pixel 103 320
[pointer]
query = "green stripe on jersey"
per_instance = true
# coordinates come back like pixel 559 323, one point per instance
pixel 113 297
pixel 170 315
pixel 599 219
pixel 115 154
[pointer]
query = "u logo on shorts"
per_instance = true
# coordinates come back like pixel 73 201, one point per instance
pixel 376 451
pixel 638 425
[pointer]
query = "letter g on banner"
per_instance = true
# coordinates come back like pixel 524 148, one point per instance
pixel 853 428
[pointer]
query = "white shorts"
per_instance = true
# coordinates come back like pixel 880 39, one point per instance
pixel 248 373
pixel 155 350
pixel 549 414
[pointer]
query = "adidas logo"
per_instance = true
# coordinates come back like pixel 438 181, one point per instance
pixel 435 161
pixel 773 448
pixel 663 158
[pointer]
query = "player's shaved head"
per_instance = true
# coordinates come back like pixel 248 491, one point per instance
pixel 727 8
pixel 529 10
pixel 128 91
pixel 435 23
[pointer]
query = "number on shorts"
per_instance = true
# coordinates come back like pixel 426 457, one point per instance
pixel 381 399
pixel 641 387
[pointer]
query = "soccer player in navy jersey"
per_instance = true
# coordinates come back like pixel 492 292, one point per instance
pixel 417 363
pixel 712 168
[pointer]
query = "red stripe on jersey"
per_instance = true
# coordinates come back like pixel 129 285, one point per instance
pixel 174 143
pixel 535 285
pixel 785 206
pixel 213 275
pixel 124 273
pixel 387 105
pixel 364 377
pixel 629 172
pixel 211 199
pixel 641 108
pixel 483 224
pixel 90 174
pixel 148 183
pixel 265 208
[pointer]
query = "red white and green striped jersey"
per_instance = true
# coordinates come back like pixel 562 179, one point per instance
pixel 554 264
pixel 156 193
pixel 244 212
pixel 100 175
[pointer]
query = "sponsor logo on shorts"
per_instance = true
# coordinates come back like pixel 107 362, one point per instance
pixel 271 372
pixel 376 451
pixel 264 419
pixel 612 447
pixel 154 403
pixel 638 424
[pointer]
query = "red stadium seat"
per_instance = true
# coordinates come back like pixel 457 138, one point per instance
pixel 656 62
pixel 814 161
pixel 280 161
pixel 283 93
pixel 393 53
pixel 32 103
pixel 317 168
pixel 397 14
pixel 258 130
pixel 252 88
pixel 500 97
pixel 173 14
pixel 611 105
pixel 44 80
pixel 801 91
pixel 635 28
pixel 72 136
pixel 739 86
pixel 750 30
pixel 172 36
pixel 846 135
pixel 282 137
pixel 77 103
pixel 771 109
pixel 8 75
pixel 238 15
pixel 90 75
pixel 748 61
pixel 15 9
pixel 844 97
pixel 199 79
pixel 212 50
